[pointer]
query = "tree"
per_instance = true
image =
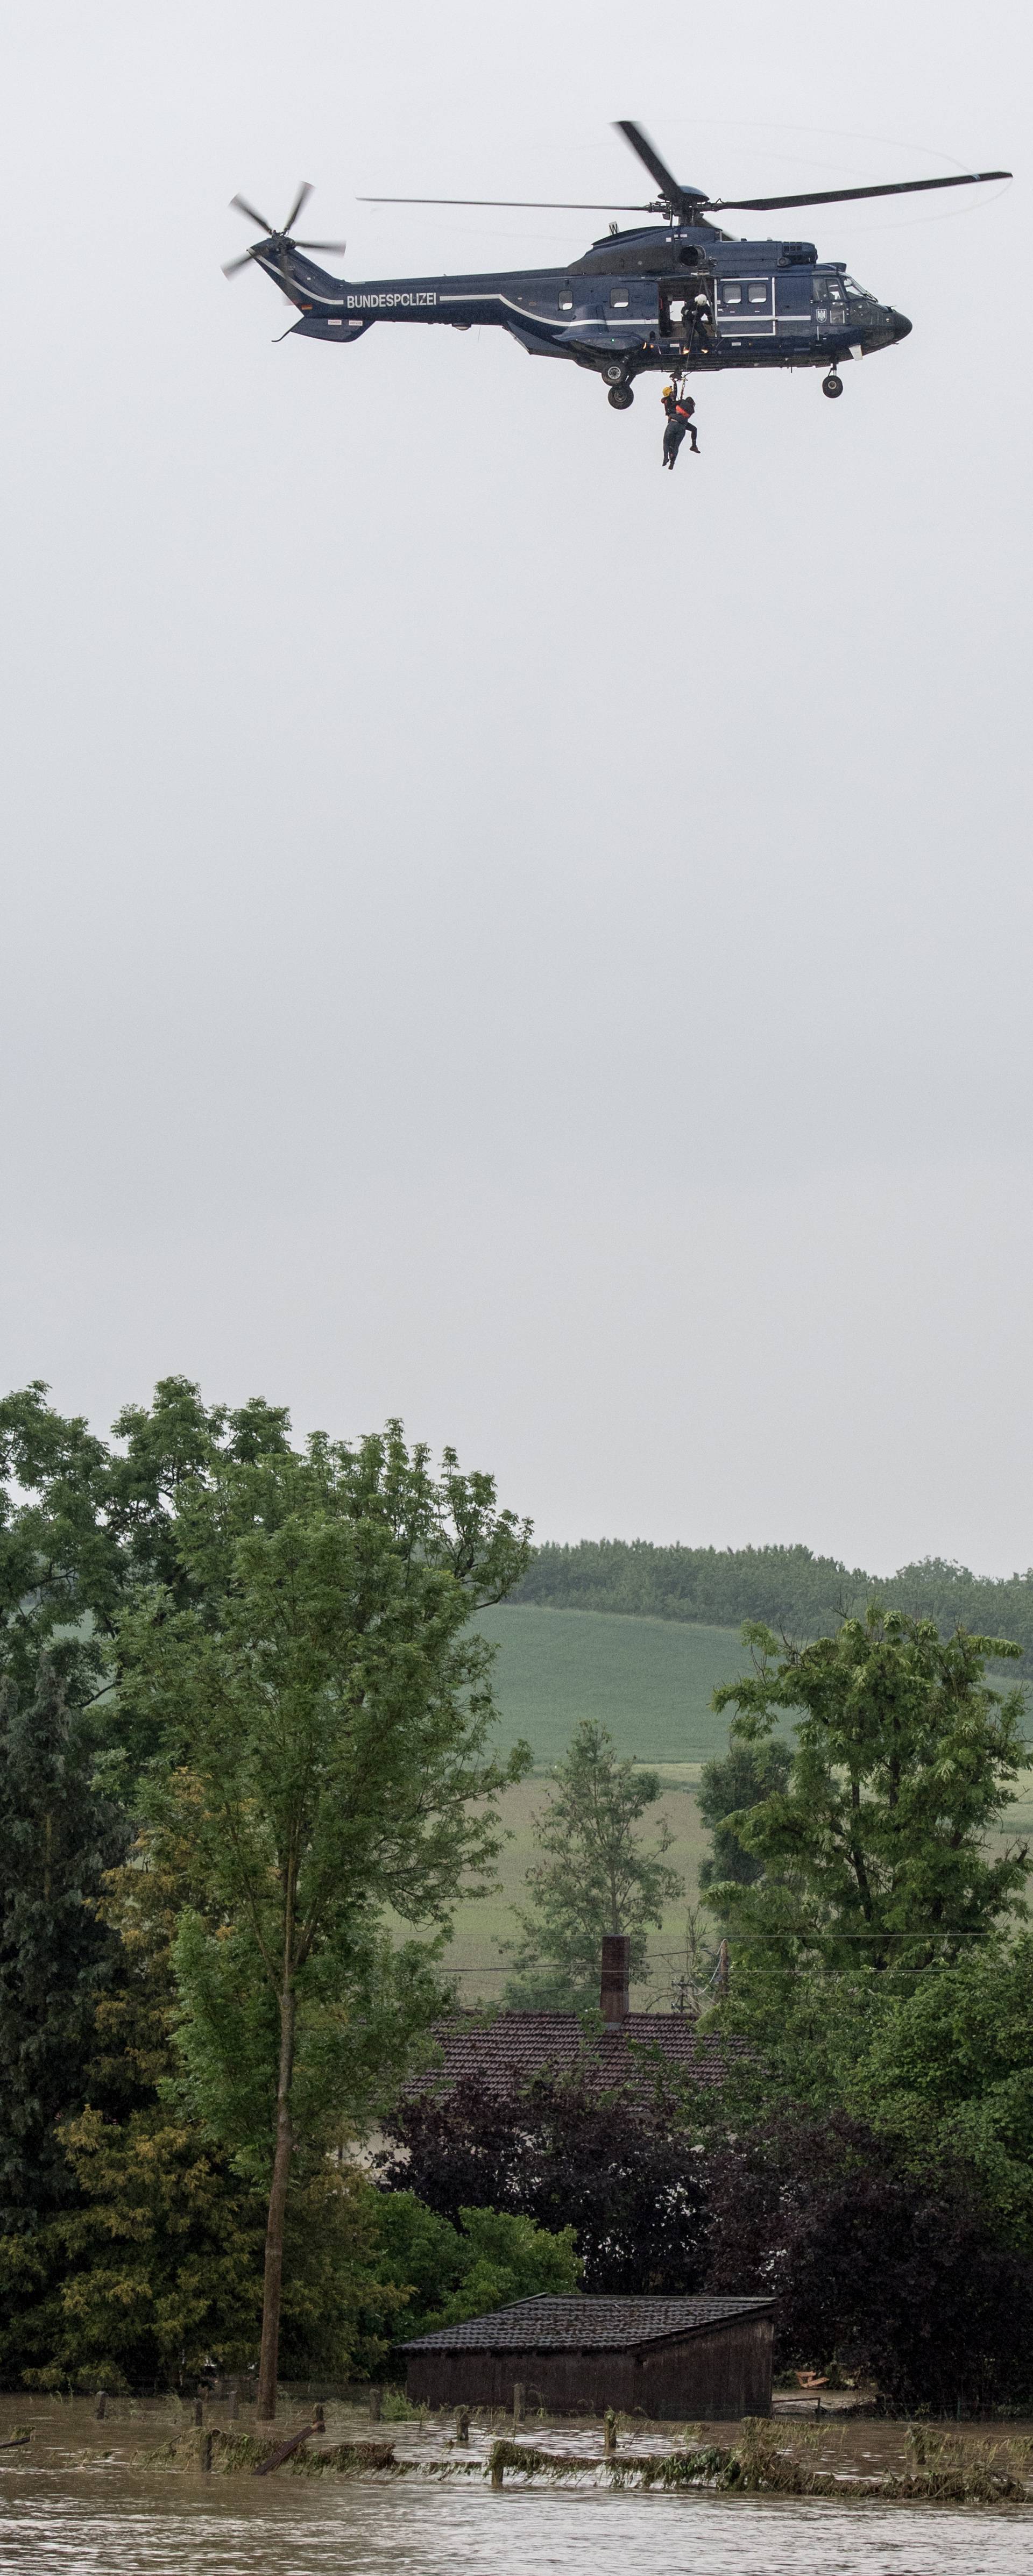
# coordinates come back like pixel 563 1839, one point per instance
pixel 322 1708
pixel 877 1850
pixel 944 2067
pixel 156 2250
pixel 58 1838
pixel 84 1525
pixel 155 2266
pixel 597 1875
pixel 747 1774
pixel 447 2273
pixel 622 2169
pixel 900 2279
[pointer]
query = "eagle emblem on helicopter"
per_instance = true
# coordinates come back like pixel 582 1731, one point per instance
pixel 677 296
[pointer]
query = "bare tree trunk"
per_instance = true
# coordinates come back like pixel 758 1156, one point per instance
pixel 270 2350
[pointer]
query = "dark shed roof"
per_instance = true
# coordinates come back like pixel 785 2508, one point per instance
pixel 511 2050
pixel 586 2325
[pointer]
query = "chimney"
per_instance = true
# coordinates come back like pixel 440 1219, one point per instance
pixel 616 1972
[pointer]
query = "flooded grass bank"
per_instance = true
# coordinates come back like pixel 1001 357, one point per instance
pixel 783 2454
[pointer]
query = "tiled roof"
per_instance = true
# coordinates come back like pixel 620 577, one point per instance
pixel 586 2325
pixel 517 2046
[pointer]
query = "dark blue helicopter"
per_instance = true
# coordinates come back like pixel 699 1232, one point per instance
pixel 680 296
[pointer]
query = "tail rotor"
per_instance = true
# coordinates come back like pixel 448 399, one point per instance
pixel 276 239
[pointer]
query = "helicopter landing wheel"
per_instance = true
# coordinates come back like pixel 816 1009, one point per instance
pixel 622 397
pixel 832 385
pixel 614 373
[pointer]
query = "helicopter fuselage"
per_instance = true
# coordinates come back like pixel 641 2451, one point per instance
pixel 682 298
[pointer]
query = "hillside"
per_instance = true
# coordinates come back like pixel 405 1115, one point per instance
pixel 649 1680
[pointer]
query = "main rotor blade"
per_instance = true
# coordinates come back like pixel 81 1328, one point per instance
pixel 252 214
pixel 230 266
pixel 844 196
pixel 307 245
pixel 304 191
pixel 648 153
pixel 548 205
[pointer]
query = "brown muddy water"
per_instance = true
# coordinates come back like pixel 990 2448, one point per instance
pixel 80 2501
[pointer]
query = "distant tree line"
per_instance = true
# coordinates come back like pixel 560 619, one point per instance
pixel 792 1590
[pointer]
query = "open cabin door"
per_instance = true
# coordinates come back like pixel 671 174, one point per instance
pixel 685 322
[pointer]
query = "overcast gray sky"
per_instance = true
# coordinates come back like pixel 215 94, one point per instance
pixel 494 933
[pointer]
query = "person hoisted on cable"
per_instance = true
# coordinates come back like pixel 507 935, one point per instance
pixel 679 409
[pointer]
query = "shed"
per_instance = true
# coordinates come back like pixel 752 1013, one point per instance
pixel 667 2358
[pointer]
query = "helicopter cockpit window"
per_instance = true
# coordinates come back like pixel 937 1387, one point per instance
pixel 852 288
pixel 619 298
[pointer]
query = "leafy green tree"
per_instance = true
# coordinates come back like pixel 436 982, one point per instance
pixel 597 1875
pixel 155 2254
pixel 83 1524
pixel 944 2065
pixel 319 1709
pixel 154 2267
pixel 744 1777
pixel 448 2273
pixel 877 1852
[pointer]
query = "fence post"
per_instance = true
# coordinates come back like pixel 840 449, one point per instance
pixel 609 2432
pixel 462 2424
pixel 518 2401
pixel 375 2402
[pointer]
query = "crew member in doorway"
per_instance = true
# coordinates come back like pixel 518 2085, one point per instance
pixel 702 334
pixel 679 409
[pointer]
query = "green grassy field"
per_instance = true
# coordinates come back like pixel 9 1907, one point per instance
pixel 648 1680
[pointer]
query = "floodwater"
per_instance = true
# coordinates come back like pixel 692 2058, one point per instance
pixel 82 2506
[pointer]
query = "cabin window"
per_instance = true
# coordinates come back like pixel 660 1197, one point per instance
pixel 619 297
pixel 731 296
pixel 566 299
pixel 757 294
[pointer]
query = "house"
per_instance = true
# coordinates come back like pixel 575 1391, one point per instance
pixel 631 2050
pixel 691 2359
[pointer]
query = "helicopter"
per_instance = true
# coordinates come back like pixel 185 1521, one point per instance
pixel 679 296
